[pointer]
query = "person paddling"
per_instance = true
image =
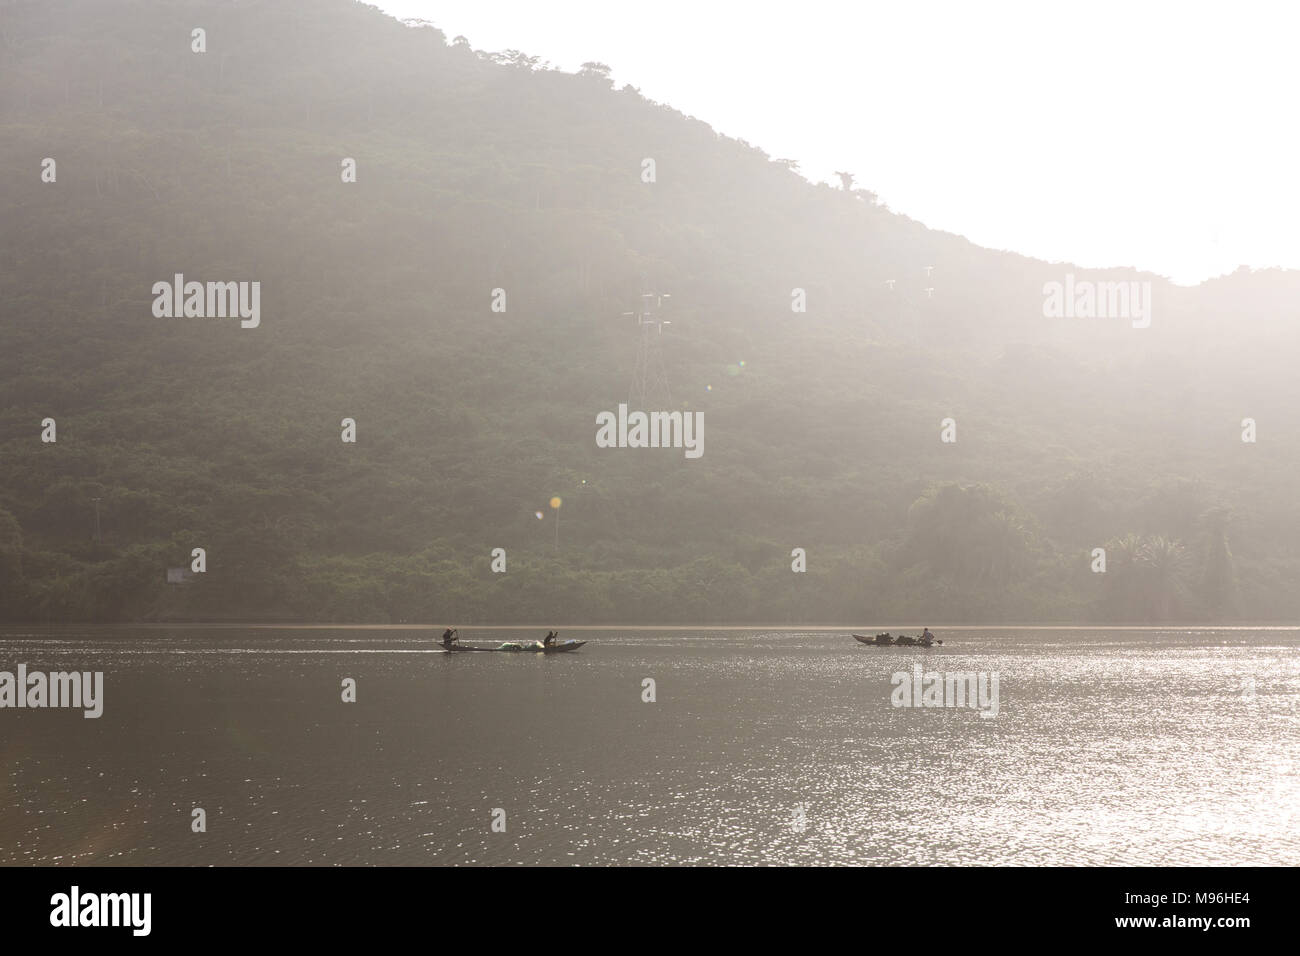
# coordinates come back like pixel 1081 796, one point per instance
pixel 449 637
pixel 550 639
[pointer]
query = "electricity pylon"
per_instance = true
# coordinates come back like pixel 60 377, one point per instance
pixel 649 377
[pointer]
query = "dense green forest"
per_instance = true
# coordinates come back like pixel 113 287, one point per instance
pixel 478 171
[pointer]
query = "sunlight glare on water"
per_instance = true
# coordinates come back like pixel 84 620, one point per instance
pixel 1109 747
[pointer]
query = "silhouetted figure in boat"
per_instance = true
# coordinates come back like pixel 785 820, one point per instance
pixel 449 637
pixel 550 639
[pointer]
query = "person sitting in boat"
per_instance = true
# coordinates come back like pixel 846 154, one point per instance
pixel 926 635
pixel 550 639
pixel 449 637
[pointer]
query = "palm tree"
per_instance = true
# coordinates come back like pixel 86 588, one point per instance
pixel 1218 577
pixel 1166 565
pixel 1124 583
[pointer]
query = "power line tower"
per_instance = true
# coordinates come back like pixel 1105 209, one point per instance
pixel 918 310
pixel 649 377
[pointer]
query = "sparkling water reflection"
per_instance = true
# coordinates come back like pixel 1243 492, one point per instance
pixel 1110 747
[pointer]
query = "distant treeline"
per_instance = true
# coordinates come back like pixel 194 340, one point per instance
pixel 478 172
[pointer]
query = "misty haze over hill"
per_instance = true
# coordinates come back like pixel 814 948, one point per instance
pixel 478 172
pixel 1070 131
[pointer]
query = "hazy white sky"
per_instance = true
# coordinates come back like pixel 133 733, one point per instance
pixel 1156 134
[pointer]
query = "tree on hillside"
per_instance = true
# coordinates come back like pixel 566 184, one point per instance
pixel 1166 565
pixel 596 70
pixel 1147 578
pixel 970 535
pixel 520 60
pixel 1218 591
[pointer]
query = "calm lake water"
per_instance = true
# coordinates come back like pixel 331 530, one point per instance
pixel 1109 747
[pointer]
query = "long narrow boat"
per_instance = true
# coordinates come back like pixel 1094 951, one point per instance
pixel 902 641
pixel 515 647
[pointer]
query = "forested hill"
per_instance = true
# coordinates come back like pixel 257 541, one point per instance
pixel 478 172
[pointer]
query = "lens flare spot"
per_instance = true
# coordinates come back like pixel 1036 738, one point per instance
pixel 556 502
